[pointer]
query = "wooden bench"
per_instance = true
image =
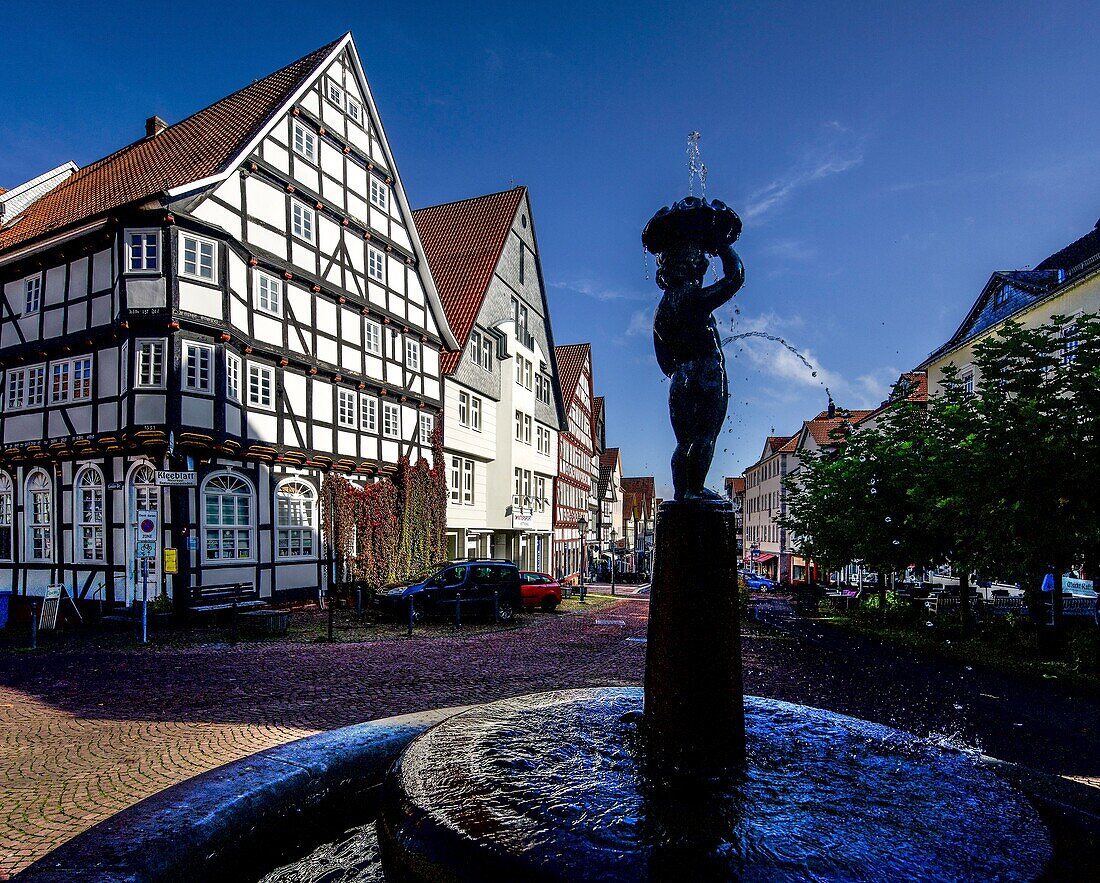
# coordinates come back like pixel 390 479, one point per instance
pixel 242 596
pixel 1001 606
pixel 1077 606
pixel 267 622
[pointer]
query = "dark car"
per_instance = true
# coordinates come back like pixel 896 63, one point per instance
pixel 540 590
pixel 761 583
pixel 482 585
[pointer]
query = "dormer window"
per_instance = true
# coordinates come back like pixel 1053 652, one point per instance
pixel 305 142
pixel 1000 296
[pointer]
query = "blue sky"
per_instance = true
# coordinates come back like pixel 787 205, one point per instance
pixel 886 157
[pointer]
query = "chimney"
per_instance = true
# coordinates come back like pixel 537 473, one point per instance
pixel 154 126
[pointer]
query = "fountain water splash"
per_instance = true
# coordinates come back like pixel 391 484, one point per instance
pixel 765 336
pixel 696 167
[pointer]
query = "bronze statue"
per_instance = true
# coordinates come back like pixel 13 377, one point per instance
pixel 685 334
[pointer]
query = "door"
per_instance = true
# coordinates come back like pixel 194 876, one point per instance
pixel 142 495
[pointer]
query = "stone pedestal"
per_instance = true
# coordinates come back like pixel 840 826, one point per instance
pixel 694 708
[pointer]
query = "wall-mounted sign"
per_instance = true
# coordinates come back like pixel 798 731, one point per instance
pixel 177 479
pixel 171 561
pixel 522 519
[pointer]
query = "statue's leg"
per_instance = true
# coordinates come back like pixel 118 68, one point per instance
pixel 711 398
pixel 680 408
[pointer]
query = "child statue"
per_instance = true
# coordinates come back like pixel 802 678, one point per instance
pixel 685 333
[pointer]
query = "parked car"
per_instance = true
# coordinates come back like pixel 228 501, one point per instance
pixel 758 583
pixel 436 590
pixel 539 590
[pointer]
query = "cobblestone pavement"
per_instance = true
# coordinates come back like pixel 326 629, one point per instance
pixel 85 733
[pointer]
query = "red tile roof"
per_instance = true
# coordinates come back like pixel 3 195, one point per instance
pixel 639 497
pixel 571 359
pixel 463 241
pixel 640 485
pixel 776 442
pixel 609 458
pixel 735 486
pixel 597 408
pixel 199 146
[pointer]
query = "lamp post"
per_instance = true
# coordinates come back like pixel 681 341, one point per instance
pixel 613 535
pixel 582 527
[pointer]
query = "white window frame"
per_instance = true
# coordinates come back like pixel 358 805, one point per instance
pixel 308 139
pixel 259 373
pixel 95 525
pixel 463 408
pixel 197 271
pixel 224 528
pixel 36 386
pixel 81 379
pixel 143 264
pixel 60 381
pixel 412 354
pixel 468 473
pixel 157 350
pixel 16 380
pixel 391 410
pixel 300 533
pixel 268 291
pixel 368 413
pixel 354 108
pixel 475 413
pixel 373 337
pixel 483 350
pixel 427 427
pixel 7 515
pixel 32 288
pixel 527 429
pixel 346 416
pixel 376 264
pixel 192 379
pixel 303 221
pixel 232 377
pixel 455 480
pixel 379 193
pixel 334 93
pixel 38 525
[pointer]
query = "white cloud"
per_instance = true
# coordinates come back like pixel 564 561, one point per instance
pixel 596 291
pixel 836 149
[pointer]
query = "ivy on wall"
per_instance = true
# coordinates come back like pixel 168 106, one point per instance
pixel 388 530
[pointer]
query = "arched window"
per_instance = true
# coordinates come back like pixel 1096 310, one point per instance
pixel 38 513
pixel 227 518
pixel 7 511
pixel 88 501
pixel 295 519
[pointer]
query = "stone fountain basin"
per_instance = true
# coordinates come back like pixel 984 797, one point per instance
pixel 248 817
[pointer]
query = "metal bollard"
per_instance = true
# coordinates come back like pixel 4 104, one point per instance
pixel 458 610
pixel 410 633
pixel 34 623
pixel 496 605
pixel 359 602
pixel 233 618
pixel 330 615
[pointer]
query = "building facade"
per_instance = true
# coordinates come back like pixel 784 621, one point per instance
pixel 575 491
pixel 639 520
pixel 735 492
pixel 240 297
pixel 609 515
pixel 503 399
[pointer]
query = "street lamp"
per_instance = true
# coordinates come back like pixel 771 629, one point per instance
pixel 582 527
pixel 613 535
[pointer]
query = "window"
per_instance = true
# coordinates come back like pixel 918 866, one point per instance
pixel 482 348
pixel 455 480
pixel 60 389
pixel 197 358
pixel 523 427
pixel 345 408
pixel 540 493
pixel 142 251
pixel 334 93
pixel 17 388
pixel 391 420
pixel 463 408
pixel 412 355
pixel 462 481
pixel 519 425
pixel 269 293
pixel 39 514
pixel 374 337
pixel 378 193
pixel 427 427
pixel 468 482
pixel 198 257
pixel 227 518
pixel 295 519
pixel 36 386
pixel 7 511
pixel 232 377
pixel 1069 343
pixel 82 378
pixel 542 388
pixel 527 366
pixel 305 142
pixel 150 363
pixel 89 515
pixel 522 263
pixel 355 109
pixel 261 382
pixel 968 383
pixel 1000 296
pixel 302 219
pixel 376 264
pixel 368 413
pixel 475 413
pixel 543 437
pixel 32 294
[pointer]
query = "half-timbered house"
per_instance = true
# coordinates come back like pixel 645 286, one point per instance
pixel 240 297
pixel 575 491
pixel 503 399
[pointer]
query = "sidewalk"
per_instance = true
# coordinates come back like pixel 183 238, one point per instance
pixel 627 590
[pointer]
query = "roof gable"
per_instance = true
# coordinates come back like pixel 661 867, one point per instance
pixel 463 242
pixel 571 357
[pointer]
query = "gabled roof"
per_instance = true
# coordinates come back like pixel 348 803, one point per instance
pixel 610 458
pixel 775 444
pixel 597 408
pixel 463 242
pixel 735 485
pixel 204 144
pixel 571 360
pixel 1075 254
pixel 639 496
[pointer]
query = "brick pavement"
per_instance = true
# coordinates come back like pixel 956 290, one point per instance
pixel 86 733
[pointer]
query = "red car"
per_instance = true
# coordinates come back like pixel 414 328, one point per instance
pixel 540 590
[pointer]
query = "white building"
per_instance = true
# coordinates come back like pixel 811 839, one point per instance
pixel 241 294
pixel 503 399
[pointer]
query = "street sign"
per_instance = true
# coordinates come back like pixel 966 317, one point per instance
pixel 146 549
pixel 171 561
pixel 147 525
pixel 177 479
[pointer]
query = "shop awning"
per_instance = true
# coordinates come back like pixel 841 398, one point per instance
pixel 763 557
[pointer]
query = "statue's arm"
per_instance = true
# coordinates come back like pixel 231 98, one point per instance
pixel 733 277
